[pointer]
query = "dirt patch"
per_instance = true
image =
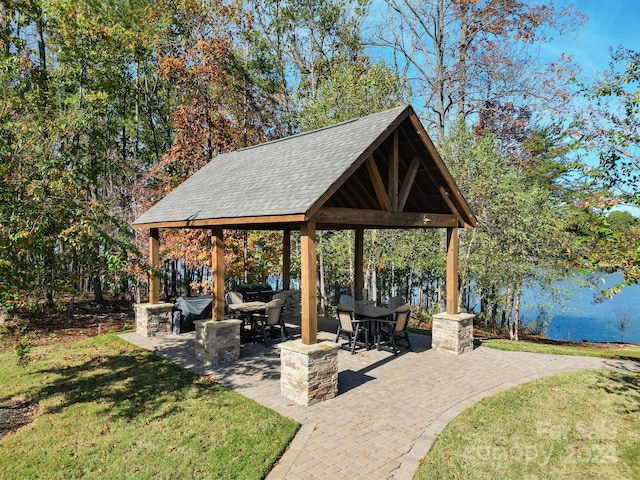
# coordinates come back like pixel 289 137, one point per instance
pixel 88 319
pixel 15 414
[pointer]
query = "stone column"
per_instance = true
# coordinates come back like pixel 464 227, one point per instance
pixel 217 341
pixel 153 319
pixel 452 333
pixel 308 373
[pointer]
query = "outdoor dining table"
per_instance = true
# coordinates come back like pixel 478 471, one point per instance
pixel 247 307
pixel 374 315
pixel 245 311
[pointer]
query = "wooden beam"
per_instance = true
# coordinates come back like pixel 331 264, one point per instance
pixel 465 210
pixel 452 271
pixel 309 284
pixel 445 196
pixel 236 222
pixel 382 219
pixel 378 185
pixel 407 183
pixel 394 163
pixel 286 259
pixel 217 274
pixel 358 264
pixel 154 260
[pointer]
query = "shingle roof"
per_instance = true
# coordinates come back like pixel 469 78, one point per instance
pixel 381 171
pixel 281 177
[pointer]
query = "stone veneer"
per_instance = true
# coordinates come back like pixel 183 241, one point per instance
pixel 153 318
pixel 308 373
pixel 217 342
pixel 452 333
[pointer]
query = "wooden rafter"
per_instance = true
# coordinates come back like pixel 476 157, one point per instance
pixel 407 183
pixel 378 185
pixel 394 162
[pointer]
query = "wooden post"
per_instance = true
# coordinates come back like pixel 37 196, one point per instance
pixel 154 260
pixel 217 274
pixel 358 264
pixel 286 259
pixel 309 284
pixel 452 271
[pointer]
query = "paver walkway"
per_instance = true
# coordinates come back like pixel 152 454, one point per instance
pixel 389 410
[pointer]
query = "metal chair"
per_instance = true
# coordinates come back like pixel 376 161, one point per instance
pixel 398 327
pixel 231 298
pixel 397 301
pixel 347 324
pixel 271 318
pixel 347 300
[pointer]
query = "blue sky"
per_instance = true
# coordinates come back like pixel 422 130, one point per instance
pixel 609 24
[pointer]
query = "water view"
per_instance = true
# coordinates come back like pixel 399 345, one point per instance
pixel 584 319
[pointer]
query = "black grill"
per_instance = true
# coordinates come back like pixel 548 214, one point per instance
pixel 255 292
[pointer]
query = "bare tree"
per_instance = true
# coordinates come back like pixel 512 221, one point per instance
pixel 623 320
pixel 459 55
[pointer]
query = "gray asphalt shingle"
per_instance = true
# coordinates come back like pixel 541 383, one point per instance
pixel 283 177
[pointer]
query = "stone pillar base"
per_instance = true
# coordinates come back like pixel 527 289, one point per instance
pixel 153 318
pixel 308 373
pixel 217 342
pixel 452 333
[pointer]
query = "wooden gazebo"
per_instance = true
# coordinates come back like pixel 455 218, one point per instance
pixel 379 171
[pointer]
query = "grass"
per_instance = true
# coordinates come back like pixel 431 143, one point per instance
pixel 575 425
pixel 592 350
pixel 111 410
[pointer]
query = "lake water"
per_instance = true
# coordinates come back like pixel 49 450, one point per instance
pixel 582 319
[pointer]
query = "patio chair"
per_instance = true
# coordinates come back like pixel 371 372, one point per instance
pixel 348 325
pixel 397 301
pixel 280 296
pixel 271 318
pixel 347 300
pixel 398 327
pixel 230 298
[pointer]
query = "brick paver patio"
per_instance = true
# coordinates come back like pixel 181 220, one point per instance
pixel 389 410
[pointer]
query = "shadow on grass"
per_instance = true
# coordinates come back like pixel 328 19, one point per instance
pixel 120 384
pixel 626 386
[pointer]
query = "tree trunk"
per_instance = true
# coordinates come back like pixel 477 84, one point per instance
pixel 245 253
pixel 321 285
pixel 442 295
pixel 174 279
pixel 516 314
pixel 4 28
pixel 439 43
pixel 462 57
pixel 97 290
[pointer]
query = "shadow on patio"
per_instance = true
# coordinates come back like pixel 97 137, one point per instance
pixel 258 364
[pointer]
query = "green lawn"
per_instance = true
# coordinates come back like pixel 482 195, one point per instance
pixel 111 410
pixel 577 425
pixel 622 352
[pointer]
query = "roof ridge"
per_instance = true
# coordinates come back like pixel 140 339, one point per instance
pixel 328 127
